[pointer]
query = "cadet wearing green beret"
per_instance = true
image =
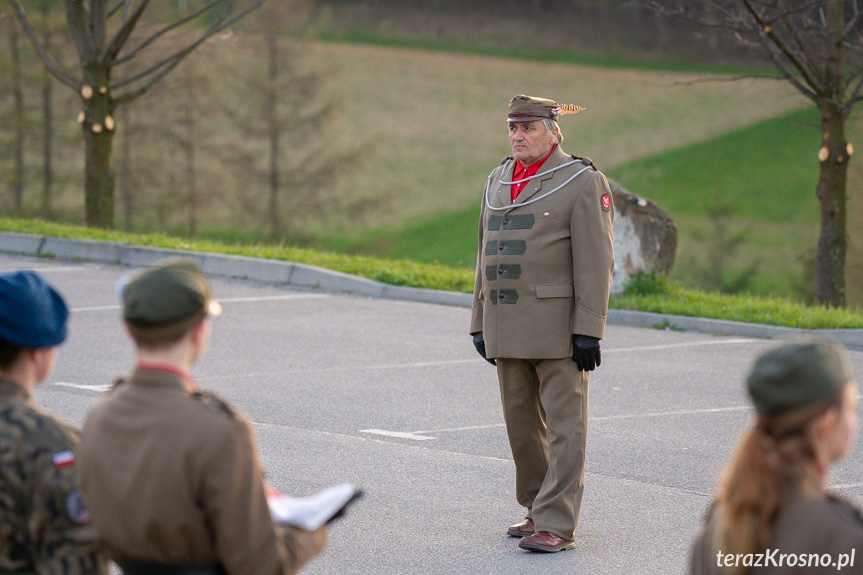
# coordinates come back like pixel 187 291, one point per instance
pixel 44 521
pixel 172 473
pixel 545 256
pixel 772 513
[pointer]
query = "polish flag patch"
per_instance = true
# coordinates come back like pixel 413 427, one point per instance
pixel 606 202
pixel 64 458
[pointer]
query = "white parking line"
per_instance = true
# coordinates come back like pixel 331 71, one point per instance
pixel 95 308
pixel 386 366
pixel 55 269
pixel 99 388
pixel 424 434
pixel 468 428
pixel 352 368
pixel 666 413
pixel 400 434
pixel 273 297
pixel 684 344
pixel 221 300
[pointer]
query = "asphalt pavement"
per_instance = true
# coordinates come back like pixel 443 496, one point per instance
pixel 390 395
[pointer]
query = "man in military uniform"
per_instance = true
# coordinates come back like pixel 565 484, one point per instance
pixel 172 473
pixel 44 521
pixel 540 303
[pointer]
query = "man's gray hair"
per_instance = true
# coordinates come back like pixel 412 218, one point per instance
pixel 553 129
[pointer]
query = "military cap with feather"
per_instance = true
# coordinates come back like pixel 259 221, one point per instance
pixel 530 108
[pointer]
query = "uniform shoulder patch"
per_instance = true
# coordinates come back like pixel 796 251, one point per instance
pixel 584 160
pixel 505 160
pixel 215 403
pixel 76 507
pixel 63 458
pixel 606 202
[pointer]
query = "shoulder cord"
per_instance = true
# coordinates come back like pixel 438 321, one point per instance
pixel 532 200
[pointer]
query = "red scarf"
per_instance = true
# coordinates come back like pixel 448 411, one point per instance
pixel 521 172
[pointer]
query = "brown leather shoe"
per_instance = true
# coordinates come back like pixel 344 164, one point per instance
pixel 545 542
pixel 522 529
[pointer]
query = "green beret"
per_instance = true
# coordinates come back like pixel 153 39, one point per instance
pixel 795 374
pixel 172 290
pixel 530 108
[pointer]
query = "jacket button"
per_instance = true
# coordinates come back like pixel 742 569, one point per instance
pixel 500 272
pixel 501 296
pixel 500 246
pixel 506 222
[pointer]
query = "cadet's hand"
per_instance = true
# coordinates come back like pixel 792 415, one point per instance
pixel 585 352
pixel 479 344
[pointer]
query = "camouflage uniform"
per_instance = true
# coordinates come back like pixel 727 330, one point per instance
pixel 44 521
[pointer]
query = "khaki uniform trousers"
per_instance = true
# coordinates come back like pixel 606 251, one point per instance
pixel 545 409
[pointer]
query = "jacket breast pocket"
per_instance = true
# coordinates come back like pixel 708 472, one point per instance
pixel 546 217
pixel 548 291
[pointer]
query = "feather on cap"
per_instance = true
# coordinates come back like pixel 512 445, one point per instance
pixel 530 108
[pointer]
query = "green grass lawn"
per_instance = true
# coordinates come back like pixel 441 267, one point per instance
pixel 767 171
pixel 646 293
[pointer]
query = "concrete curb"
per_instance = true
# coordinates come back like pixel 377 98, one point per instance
pixel 311 277
pixel 852 338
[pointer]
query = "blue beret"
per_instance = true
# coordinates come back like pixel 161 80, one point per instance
pixel 32 313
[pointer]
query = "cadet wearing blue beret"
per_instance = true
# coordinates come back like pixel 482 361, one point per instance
pixel 44 520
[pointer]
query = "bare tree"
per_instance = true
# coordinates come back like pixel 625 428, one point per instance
pixel 189 144
pixel 274 130
pixel 817 46
pixel 47 117
pixel 114 70
pixel 289 98
pixel 125 170
pixel 17 187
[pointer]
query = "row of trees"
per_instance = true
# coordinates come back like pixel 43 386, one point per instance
pixel 214 110
pixel 113 69
pixel 816 45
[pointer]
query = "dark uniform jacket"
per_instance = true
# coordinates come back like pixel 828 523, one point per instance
pixel 173 477
pixel 44 520
pixel 544 270
pixel 807 526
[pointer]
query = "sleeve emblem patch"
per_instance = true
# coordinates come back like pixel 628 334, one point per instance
pixel 606 202
pixel 76 507
pixel 64 458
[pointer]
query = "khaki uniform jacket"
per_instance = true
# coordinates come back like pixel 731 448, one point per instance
pixel 818 524
pixel 44 521
pixel 173 477
pixel 543 270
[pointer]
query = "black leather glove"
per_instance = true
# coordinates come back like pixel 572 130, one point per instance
pixel 479 344
pixel 585 352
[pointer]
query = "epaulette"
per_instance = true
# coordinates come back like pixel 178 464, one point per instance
pixel 215 403
pixel 505 160
pixel 585 160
